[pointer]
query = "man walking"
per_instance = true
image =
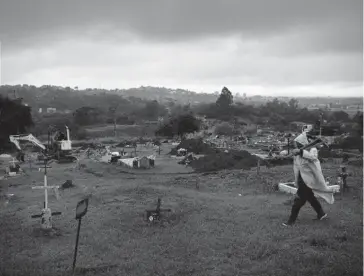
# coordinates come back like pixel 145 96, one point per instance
pixel 308 179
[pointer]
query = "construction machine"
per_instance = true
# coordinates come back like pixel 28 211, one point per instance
pixel 25 137
pixel 60 145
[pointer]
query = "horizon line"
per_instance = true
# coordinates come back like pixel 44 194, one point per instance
pixel 168 88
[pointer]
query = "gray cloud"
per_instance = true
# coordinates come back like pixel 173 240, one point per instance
pixel 202 44
pixel 337 22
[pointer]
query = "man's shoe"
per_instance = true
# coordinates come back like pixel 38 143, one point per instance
pixel 323 216
pixel 287 223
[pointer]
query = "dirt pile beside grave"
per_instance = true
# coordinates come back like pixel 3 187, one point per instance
pixel 225 160
pixel 131 143
pixel 197 146
pixel 87 145
pixel 277 161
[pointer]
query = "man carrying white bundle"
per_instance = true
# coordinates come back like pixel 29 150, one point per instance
pixel 308 179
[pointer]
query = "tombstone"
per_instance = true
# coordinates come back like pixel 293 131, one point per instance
pixel 144 163
pixel 342 178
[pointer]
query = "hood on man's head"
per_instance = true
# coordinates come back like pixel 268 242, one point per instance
pixel 302 139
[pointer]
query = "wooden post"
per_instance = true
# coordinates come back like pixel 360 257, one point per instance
pixel 81 210
pixel 114 126
pixel 76 246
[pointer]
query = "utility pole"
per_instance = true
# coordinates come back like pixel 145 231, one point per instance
pixel 114 125
pixel 321 114
pixel 113 110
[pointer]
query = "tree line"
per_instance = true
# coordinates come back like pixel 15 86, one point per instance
pixel 178 119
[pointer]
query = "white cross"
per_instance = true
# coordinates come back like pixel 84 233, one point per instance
pixel 45 187
pixel 14 161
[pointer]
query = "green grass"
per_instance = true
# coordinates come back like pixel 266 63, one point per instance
pixel 210 231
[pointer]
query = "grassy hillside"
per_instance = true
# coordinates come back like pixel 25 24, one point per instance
pixel 210 231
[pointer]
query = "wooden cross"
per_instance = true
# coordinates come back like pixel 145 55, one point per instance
pixel 13 162
pixel 46 187
pixel 46 214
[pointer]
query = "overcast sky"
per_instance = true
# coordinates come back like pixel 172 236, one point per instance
pixel 266 47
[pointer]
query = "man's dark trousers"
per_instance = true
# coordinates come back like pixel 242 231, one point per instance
pixel 304 194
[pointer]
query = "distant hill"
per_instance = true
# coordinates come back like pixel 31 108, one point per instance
pixel 72 98
pixel 64 98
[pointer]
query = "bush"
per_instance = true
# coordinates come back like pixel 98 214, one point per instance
pixel 224 129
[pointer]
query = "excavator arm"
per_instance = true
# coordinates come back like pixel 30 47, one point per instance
pixel 30 138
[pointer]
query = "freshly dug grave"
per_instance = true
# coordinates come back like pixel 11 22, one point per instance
pixel 197 146
pixel 225 160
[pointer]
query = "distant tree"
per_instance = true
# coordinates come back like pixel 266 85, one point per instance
pixel 157 142
pixel 151 110
pixel 187 124
pixel 15 118
pixel 87 115
pixel 166 130
pixel 293 104
pixel 224 129
pixel 273 106
pixel 179 126
pixel 340 116
pixel 225 99
pixel 358 119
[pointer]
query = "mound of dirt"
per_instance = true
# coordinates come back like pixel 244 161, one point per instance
pixel 277 161
pixel 327 153
pixel 225 160
pixel 197 146
pixel 87 145
pixel 125 143
pixel 68 184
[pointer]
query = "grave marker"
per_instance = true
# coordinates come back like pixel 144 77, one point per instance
pixel 81 210
pixel 46 215
pixel 153 215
